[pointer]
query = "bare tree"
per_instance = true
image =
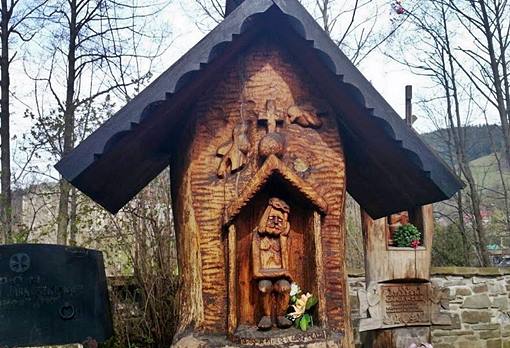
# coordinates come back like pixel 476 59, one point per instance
pixel 353 25
pixel 487 22
pixel 152 254
pixel 139 242
pixel 13 25
pixel 431 27
pixel 96 50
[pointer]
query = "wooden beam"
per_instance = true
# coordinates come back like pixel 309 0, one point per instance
pixel 319 269
pixel 232 279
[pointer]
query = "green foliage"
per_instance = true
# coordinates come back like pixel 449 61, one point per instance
pixel 449 249
pixel 312 301
pixel 405 235
pixel 305 322
pixel 302 316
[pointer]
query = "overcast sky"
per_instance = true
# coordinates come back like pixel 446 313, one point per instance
pixel 388 77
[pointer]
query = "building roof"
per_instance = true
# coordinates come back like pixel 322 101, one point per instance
pixel 389 167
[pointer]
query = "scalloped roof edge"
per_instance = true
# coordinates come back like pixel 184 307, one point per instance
pixel 77 164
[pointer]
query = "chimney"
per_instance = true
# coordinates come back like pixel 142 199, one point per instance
pixel 231 5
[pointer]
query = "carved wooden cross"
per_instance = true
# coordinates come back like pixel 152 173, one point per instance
pixel 271 117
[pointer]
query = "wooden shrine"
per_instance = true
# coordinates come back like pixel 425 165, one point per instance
pixel 265 125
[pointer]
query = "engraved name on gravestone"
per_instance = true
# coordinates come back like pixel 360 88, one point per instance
pixel 405 304
pixel 51 295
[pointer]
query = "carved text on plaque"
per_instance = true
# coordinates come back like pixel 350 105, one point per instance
pixel 405 304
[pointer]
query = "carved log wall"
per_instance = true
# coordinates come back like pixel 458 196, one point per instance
pixel 265 72
pixel 188 240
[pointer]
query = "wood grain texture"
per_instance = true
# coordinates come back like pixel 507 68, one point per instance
pixel 301 260
pixel 400 337
pixel 232 280
pixel 191 308
pixel 265 72
pixel 270 167
pixel 319 271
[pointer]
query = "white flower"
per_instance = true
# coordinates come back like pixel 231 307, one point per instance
pixel 294 289
pixel 300 306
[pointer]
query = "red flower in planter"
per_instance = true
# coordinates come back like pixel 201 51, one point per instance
pixel 415 244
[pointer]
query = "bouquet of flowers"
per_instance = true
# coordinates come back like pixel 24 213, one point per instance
pixel 302 305
pixel 407 236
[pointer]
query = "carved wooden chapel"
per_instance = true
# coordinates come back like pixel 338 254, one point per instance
pixel 265 125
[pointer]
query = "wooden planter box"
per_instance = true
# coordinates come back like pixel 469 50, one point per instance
pixel 384 262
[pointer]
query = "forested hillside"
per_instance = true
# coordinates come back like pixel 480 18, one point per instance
pixel 456 221
pixel 480 141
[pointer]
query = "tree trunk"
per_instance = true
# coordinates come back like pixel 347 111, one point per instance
pixel 453 112
pixel 65 188
pixel 501 173
pixel 63 212
pixel 73 230
pixel 496 76
pixel 5 198
pixel 459 199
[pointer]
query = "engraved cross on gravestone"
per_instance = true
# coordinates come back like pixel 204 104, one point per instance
pixel 51 295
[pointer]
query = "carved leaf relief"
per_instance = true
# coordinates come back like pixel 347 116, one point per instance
pixel 305 115
pixel 234 152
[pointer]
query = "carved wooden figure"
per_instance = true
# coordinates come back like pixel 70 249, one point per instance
pixel 270 251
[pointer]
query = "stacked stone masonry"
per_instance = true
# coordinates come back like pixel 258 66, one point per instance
pixel 478 304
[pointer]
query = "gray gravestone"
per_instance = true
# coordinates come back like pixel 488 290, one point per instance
pixel 51 294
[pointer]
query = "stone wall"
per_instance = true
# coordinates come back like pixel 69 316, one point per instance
pixel 478 304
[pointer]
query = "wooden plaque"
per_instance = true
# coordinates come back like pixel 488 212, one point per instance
pixel 405 304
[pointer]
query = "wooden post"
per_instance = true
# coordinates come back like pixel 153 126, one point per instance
pixel 319 269
pixel 409 105
pixel 232 279
pixel 388 266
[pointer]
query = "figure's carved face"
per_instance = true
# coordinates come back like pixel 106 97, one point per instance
pixel 276 222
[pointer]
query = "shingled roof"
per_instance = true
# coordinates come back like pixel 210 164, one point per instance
pixel 389 167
